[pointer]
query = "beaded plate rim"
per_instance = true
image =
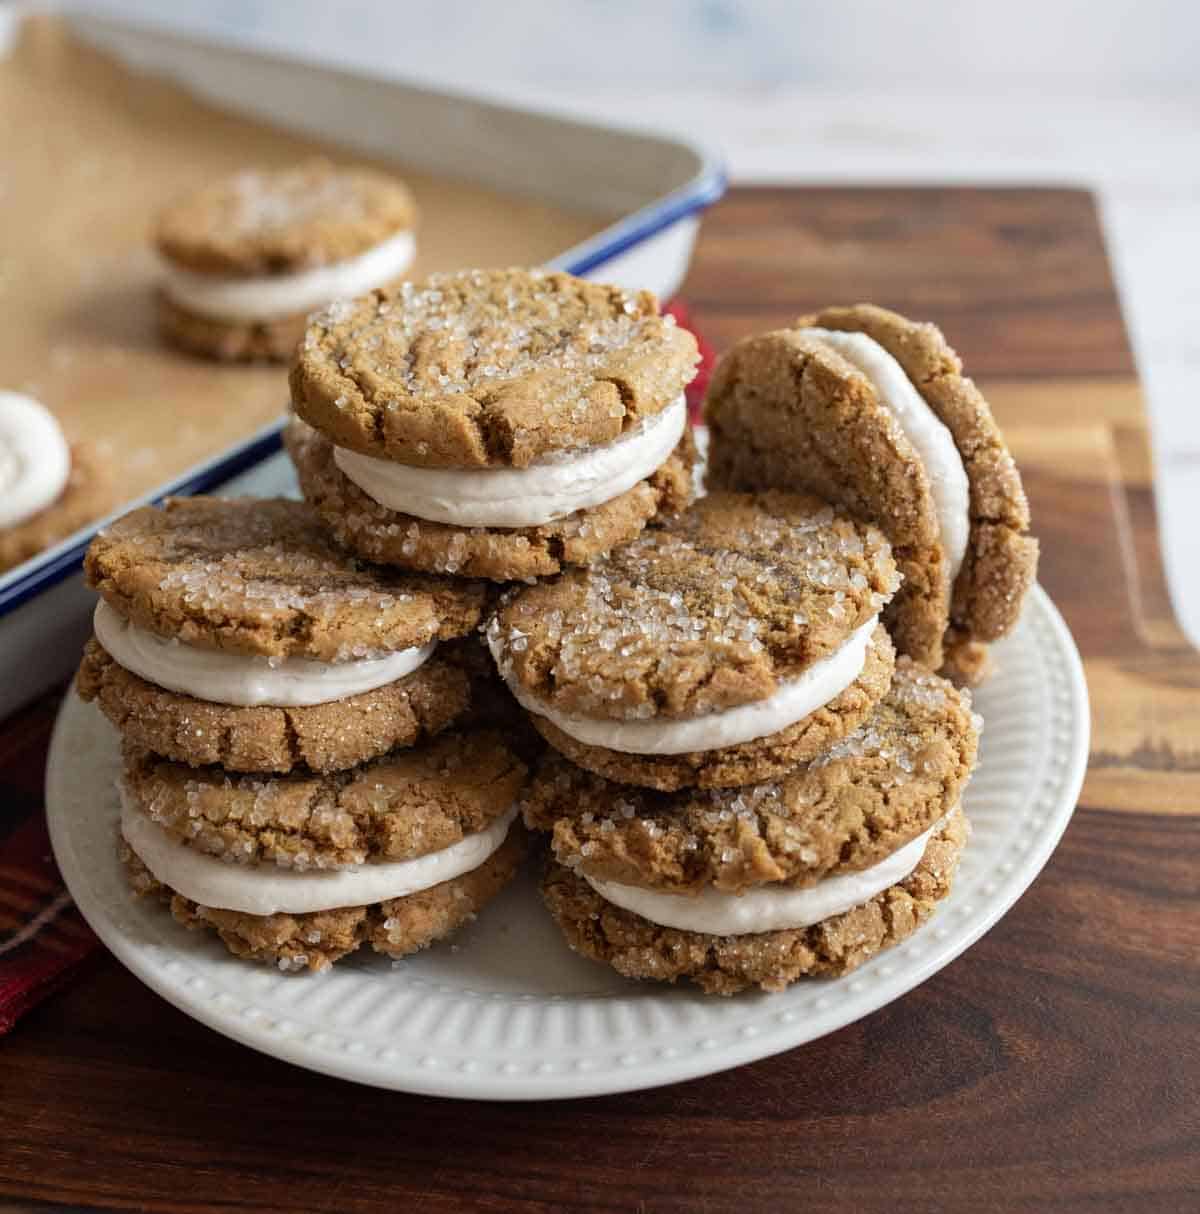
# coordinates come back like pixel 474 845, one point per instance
pixel 632 1035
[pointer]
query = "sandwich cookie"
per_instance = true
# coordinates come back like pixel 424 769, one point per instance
pixel 499 424
pixel 811 873
pixel 48 488
pixel 299 870
pixel 232 631
pixel 722 648
pixel 872 412
pixel 247 258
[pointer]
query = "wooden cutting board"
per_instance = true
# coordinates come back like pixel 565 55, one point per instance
pixel 1053 1066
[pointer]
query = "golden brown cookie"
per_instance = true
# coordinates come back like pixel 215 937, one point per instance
pixel 707 612
pixel 261 577
pixel 269 227
pixel 717 648
pixel 787 409
pixel 500 554
pixel 313 941
pixel 87 495
pixel 406 804
pixel 319 737
pixel 865 797
pixel 725 965
pixel 489 368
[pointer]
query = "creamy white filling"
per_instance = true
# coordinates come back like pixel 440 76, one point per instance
pixel 795 699
pixel 928 434
pixel 243 679
pixel 267 889
pixel 519 497
pixel 35 461
pixel 767 910
pixel 279 295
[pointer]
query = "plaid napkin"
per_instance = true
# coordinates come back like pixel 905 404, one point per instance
pixel 44 941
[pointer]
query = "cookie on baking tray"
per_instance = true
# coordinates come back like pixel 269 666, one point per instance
pixel 298 870
pixel 810 873
pixel 49 488
pixel 501 424
pixel 232 631
pixel 872 412
pixel 722 648
pixel 247 258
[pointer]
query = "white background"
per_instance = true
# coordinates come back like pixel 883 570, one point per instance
pixel 1103 94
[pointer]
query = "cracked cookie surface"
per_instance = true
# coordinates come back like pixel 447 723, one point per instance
pixel 710 611
pixel 262 577
pixel 488 368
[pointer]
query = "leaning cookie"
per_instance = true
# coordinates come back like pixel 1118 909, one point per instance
pixel 722 648
pixel 872 411
pixel 245 259
pixel 233 632
pixel 49 488
pixel 499 423
pixel 809 874
pixel 300 870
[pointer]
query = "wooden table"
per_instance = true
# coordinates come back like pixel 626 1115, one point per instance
pixel 1053 1067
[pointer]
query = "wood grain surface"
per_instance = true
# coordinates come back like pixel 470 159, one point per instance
pixel 1053 1067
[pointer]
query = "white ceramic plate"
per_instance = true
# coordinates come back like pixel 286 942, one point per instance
pixel 507 1011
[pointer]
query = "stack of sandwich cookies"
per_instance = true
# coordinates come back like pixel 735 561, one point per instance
pixel 48 487
pixel 500 424
pixel 871 411
pixel 246 259
pixel 720 649
pixel 266 686
pixel 809 874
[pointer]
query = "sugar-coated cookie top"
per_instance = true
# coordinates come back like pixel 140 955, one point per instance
pixel 871 793
pixel 488 368
pixel 263 222
pixel 704 613
pixel 262 577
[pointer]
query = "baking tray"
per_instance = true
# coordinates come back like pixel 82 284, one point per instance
pixel 650 189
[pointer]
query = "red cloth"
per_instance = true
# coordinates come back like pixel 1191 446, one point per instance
pixel 43 939
pixel 698 386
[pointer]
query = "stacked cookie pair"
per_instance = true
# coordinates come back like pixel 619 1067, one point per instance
pixel 503 424
pixel 746 786
pixel 291 776
pixel 246 258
